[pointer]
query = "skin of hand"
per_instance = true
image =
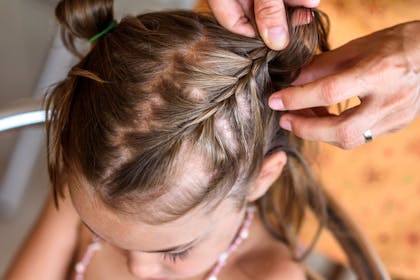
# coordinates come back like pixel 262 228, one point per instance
pixel 269 15
pixel 381 69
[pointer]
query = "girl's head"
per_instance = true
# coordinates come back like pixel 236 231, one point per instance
pixel 162 133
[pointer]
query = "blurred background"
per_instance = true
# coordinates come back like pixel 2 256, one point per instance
pixel 378 183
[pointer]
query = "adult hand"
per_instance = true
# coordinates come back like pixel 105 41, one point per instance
pixel 382 69
pixel 270 17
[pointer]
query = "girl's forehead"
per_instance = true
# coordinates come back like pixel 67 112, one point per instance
pixel 128 232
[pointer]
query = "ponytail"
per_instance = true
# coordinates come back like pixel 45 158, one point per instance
pixel 82 19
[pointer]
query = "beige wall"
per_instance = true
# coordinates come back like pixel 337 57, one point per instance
pixel 27 30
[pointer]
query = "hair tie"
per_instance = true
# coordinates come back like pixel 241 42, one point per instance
pixel 110 26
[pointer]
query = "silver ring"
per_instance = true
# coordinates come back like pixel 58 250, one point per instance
pixel 368 135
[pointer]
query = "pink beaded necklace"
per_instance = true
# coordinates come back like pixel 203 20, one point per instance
pixel 242 234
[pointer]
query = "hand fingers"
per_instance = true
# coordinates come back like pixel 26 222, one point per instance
pixel 271 22
pixel 386 114
pixel 345 131
pixel 231 15
pixel 325 92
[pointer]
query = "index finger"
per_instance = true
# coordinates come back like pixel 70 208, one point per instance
pixel 326 91
pixel 231 15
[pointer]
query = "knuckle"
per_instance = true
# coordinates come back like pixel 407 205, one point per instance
pixel 346 136
pixel 269 9
pixel 329 93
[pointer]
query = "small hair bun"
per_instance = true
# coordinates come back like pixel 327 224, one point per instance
pixel 82 19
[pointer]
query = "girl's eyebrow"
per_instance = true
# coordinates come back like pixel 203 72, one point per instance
pixel 167 250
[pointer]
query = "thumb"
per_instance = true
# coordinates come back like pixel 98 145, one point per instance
pixel 271 22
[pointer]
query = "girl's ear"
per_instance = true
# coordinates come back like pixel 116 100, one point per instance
pixel 271 169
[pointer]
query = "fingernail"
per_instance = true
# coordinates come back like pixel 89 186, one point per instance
pixel 276 104
pixel 285 124
pixel 277 37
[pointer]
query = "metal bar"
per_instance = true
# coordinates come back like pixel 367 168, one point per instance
pixel 25 113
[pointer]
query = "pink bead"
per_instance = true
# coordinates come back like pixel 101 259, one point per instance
pixel 244 234
pixel 80 268
pixel 223 257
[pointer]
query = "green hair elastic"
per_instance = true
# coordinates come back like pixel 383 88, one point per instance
pixel 110 26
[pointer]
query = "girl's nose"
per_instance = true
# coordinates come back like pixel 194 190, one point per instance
pixel 143 265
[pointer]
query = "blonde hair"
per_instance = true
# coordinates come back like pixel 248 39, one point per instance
pixel 166 87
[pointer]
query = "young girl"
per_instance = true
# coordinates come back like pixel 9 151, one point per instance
pixel 164 156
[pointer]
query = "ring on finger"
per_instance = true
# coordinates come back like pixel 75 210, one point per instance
pixel 368 135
